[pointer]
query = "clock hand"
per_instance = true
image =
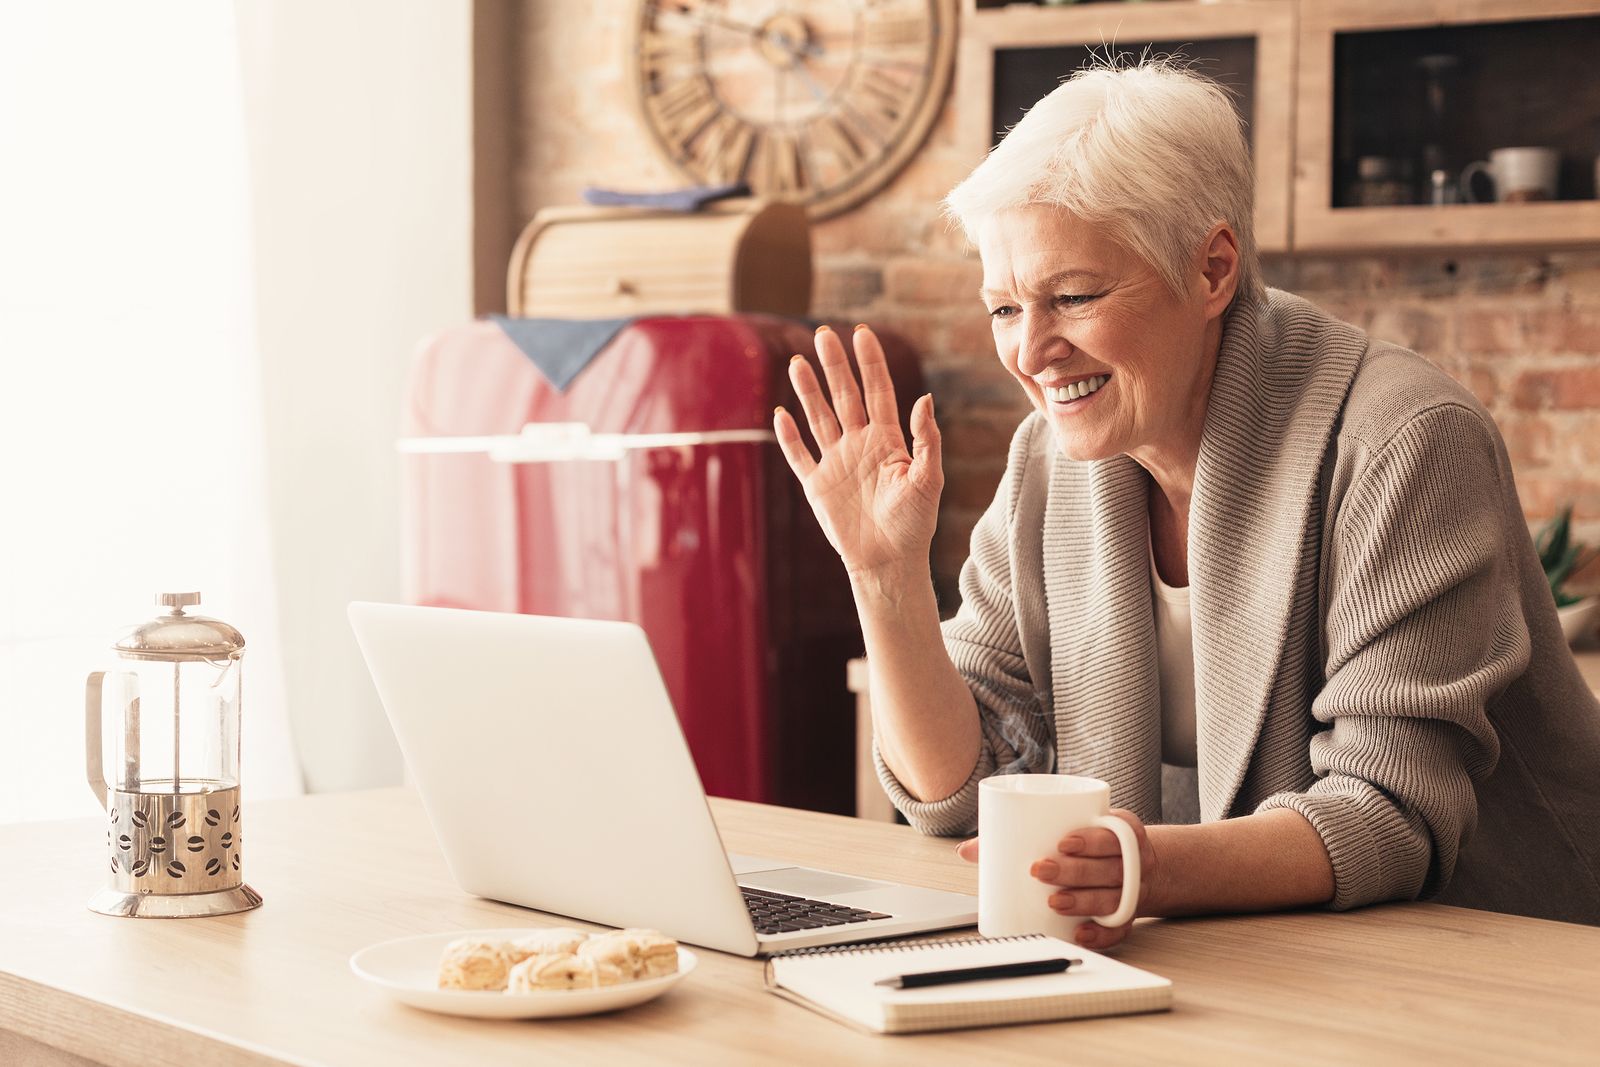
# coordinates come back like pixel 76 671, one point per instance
pixel 811 83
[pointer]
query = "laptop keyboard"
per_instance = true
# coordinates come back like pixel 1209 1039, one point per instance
pixel 776 913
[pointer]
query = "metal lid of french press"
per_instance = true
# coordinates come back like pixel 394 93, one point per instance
pixel 176 636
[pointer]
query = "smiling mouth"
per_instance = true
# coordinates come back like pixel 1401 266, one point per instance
pixel 1067 394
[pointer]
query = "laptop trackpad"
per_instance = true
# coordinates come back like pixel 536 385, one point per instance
pixel 804 882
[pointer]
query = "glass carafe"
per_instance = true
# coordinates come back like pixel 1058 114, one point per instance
pixel 166 724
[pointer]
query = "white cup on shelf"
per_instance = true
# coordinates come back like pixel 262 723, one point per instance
pixel 1519 174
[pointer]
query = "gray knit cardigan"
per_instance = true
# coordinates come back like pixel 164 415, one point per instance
pixel 1375 644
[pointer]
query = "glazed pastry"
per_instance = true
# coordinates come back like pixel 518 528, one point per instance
pixel 637 953
pixel 556 941
pixel 471 963
pixel 539 974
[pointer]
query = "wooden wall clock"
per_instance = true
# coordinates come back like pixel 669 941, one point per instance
pixel 818 102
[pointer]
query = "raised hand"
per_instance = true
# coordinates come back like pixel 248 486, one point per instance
pixel 877 502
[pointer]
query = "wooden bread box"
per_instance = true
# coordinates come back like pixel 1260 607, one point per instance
pixel 601 262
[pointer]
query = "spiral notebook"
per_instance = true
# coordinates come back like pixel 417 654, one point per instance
pixel 839 983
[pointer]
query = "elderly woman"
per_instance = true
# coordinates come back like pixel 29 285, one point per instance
pixel 1235 534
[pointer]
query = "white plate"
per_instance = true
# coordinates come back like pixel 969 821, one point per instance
pixel 408 970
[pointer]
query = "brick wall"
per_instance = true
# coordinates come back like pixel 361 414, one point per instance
pixel 1521 330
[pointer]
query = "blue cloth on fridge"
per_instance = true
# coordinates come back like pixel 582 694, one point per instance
pixel 561 348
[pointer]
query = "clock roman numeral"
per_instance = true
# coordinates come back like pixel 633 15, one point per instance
pixel 831 134
pixel 722 152
pixel 682 109
pixel 777 164
pixel 878 101
pixel 662 53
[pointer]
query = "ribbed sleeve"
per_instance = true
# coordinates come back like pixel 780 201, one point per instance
pixel 985 645
pixel 1424 628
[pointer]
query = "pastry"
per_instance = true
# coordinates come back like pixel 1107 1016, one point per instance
pixel 556 941
pixel 637 953
pixel 473 963
pixel 538 974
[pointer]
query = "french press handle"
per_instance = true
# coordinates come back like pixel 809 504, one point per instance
pixel 92 738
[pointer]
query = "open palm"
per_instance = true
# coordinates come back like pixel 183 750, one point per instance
pixel 877 502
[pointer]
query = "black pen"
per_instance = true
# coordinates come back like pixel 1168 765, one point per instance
pixel 977 974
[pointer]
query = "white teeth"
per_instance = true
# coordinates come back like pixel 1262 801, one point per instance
pixel 1076 390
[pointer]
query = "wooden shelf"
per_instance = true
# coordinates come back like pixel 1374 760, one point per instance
pixel 1541 225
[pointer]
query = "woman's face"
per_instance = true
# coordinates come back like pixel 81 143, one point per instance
pixel 1103 349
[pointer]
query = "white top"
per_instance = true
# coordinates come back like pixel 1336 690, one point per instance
pixel 1175 654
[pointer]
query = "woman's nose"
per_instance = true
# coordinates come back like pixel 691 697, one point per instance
pixel 1040 347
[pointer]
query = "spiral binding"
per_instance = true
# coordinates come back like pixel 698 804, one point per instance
pixel 896 946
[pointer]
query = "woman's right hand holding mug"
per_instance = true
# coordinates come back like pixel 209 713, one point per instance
pixel 877 502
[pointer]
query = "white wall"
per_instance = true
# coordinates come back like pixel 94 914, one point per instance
pixel 359 116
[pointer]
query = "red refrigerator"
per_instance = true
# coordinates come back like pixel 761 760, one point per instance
pixel 690 525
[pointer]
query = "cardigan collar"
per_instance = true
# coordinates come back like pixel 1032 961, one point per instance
pixel 1282 374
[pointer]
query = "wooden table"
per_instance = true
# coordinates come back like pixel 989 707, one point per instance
pixel 1393 984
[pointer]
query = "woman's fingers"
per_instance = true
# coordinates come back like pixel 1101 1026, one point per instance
pixel 841 380
pixel 1097 841
pixel 792 444
pixel 1085 901
pixel 926 444
pixel 876 386
pixel 1099 938
pixel 968 850
pixel 1076 871
pixel 824 427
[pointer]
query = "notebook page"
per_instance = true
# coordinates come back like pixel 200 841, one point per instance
pixel 842 982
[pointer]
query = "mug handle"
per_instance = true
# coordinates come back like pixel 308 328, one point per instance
pixel 1470 171
pixel 1130 871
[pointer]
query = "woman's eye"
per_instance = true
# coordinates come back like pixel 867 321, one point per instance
pixel 1075 301
pixel 1002 312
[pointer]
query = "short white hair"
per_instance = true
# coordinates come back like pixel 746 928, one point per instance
pixel 1152 151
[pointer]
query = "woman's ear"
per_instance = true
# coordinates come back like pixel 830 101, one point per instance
pixel 1219 269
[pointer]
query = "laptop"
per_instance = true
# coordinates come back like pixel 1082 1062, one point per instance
pixel 556 777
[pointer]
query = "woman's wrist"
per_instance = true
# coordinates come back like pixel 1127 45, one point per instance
pixel 890 583
pixel 1156 899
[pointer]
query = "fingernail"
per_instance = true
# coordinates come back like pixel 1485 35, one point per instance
pixel 824 327
pixel 1071 845
pixel 778 410
pixel 795 357
pixel 1045 869
pixel 1063 902
pixel 861 326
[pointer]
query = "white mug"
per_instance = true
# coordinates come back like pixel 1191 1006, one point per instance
pixel 1518 174
pixel 1021 820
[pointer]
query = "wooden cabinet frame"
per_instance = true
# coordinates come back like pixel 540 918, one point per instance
pixel 1270 22
pixel 1319 227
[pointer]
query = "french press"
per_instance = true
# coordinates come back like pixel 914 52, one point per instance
pixel 173 797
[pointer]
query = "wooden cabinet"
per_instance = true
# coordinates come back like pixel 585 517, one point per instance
pixel 1012 55
pixel 1527 74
